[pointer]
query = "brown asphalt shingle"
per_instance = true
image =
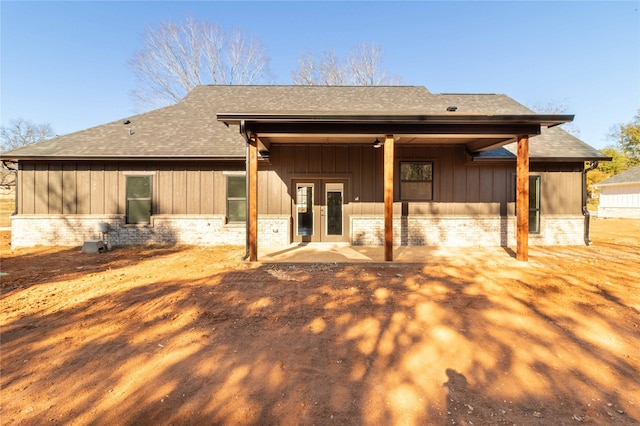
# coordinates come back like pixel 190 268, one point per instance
pixel 190 129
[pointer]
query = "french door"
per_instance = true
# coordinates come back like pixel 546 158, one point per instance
pixel 319 210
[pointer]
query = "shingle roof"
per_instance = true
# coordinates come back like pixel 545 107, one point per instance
pixel 189 129
pixel 554 144
pixel 629 176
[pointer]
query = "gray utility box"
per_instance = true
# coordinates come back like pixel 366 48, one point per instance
pixel 94 246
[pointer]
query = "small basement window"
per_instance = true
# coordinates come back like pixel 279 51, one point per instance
pixel 416 180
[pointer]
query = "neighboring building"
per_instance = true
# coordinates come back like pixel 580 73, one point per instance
pixel 620 195
pixel 447 168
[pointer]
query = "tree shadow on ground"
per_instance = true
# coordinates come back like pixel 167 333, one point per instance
pixel 313 344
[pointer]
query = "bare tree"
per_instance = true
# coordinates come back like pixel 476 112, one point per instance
pixel 177 57
pixel 17 134
pixel 557 107
pixel 22 132
pixel 363 67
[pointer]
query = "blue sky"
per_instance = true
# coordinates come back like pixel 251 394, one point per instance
pixel 65 63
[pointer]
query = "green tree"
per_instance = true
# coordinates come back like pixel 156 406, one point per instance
pixel 619 162
pixel 627 138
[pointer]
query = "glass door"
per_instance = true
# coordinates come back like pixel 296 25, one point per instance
pixel 333 229
pixel 319 211
pixel 304 211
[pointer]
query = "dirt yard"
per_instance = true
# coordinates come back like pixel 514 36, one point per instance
pixel 183 335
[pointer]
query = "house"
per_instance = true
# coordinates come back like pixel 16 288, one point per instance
pixel 273 165
pixel 620 195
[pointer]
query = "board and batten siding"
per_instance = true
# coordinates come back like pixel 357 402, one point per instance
pixel 620 201
pixel 459 187
pixel 77 188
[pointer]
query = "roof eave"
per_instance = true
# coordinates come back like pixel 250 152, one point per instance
pixel 548 120
pixel 124 158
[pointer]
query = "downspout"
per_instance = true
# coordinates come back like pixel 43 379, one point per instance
pixel 585 195
pixel 243 132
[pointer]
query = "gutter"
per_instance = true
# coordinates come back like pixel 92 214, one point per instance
pixel 585 210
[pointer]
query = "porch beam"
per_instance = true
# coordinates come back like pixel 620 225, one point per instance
pixel 253 198
pixel 388 197
pixel 522 199
pixel 494 129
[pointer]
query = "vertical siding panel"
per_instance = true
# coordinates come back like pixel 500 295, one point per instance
pixel 83 189
pixel 378 180
pixel 179 190
pixel 355 159
pixel 367 185
pixel 41 202
pixel 193 190
pixel 122 188
pixel 486 184
pixel 446 176
pixel 19 191
pixel 314 159
pixel 264 192
pixel 300 161
pixel 164 182
pixel 503 188
pixel 282 165
pixel 473 183
pixel 97 189
pixel 460 181
pixel 275 200
pixel 69 189
pixel 111 188
pixel 55 189
pixel 220 188
pixel 206 186
pixel 328 159
pixel 341 161
pixel 28 185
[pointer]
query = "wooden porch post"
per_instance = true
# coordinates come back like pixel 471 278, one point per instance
pixel 388 197
pixel 253 198
pixel 522 199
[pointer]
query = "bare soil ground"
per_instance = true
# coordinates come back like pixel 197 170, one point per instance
pixel 185 335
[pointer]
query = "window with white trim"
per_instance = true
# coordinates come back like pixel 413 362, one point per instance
pixel 138 204
pixel 236 198
pixel 416 180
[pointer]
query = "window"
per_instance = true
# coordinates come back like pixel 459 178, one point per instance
pixel 416 181
pixel 139 199
pixel 236 198
pixel 304 206
pixel 534 204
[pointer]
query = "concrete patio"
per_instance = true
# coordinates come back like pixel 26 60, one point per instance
pixel 345 253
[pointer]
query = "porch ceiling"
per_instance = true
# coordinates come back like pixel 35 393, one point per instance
pixel 478 132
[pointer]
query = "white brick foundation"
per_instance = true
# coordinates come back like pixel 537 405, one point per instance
pixel 275 230
pixel 73 230
pixel 459 231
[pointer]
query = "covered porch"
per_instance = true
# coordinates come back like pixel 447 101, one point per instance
pixel 474 132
